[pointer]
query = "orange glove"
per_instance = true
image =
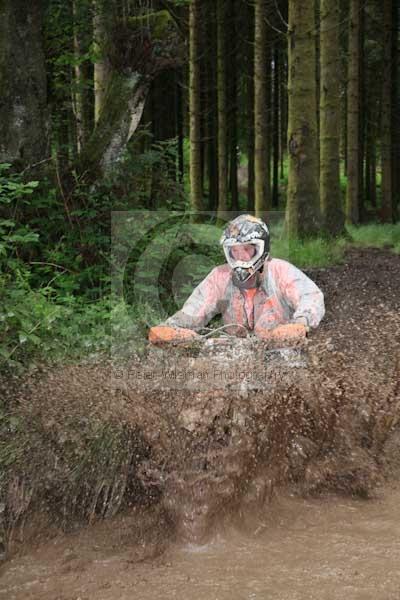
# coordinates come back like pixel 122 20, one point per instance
pixel 283 333
pixel 162 334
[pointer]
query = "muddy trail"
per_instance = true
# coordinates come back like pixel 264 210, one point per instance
pixel 301 549
pixel 214 464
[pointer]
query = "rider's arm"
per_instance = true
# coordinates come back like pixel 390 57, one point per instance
pixel 302 295
pixel 203 304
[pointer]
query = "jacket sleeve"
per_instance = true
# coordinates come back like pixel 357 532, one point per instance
pixel 302 295
pixel 201 306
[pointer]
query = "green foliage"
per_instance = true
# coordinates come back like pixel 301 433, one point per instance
pixel 316 252
pixel 158 23
pixel 377 236
pixel 39 315
pixel 56 301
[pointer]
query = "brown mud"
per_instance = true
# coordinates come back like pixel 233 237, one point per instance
pixel 208 436
pixel 302 549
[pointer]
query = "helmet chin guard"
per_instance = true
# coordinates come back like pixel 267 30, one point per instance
pixel 246 230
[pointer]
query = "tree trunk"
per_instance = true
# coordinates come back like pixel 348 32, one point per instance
pixel 179 123
pixel 261 163
pixel 367 182
pixel 250 109
pixel 330 193
pixel 122 110
pixel 276 131
pixel 196 190
pixel 23 102
pixel 362 121
pixel 344 130
pixel 84 99
pixel 353 115
pixel 370 163
pixel 303 213
pixel 135 63
pixel 211 107
pixel 222 110
pixel 372 183
pixel 386 123
pixel 232 88
pixel 318 26
pixel 283 116
pixel 102 69
pixel 269 138
pixel 395 111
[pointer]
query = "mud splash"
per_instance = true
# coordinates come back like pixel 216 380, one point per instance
pixel 205 450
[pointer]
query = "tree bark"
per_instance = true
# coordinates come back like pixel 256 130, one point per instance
pixel 276 131
pixel 362 122
pixel 102 69
pixel 84 98
pixel 353 115
pixel 232 114
pixel 250 108
pixel 222 110
pixel 395 111
pixel 211 107
pixel 261 162
pixel 372 181
pixel 386 123
pixel 302 213
pixel 370 164
pixel 283 115
pixel 122 110
pixel 134 65
pixel 196 189
pixel 330 192
pixel 23 101
pixel 179 124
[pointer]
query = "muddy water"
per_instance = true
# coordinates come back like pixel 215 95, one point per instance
pixel 300 549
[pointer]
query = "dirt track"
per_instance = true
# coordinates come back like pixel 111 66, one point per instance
pixel 327 425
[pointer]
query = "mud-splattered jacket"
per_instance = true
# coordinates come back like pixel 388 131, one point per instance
pixel 285 295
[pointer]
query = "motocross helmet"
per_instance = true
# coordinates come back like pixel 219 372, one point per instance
pixel 245 230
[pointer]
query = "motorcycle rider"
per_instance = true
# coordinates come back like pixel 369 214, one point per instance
pixel 253 292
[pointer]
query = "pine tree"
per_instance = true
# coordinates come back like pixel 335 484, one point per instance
pixel 250 106
pixel 396 110
pixel 386 123
pixel 261 162
pixel 353 114
pixel 196 190
pixel 330 193
pixel 222 110
pixel 302 213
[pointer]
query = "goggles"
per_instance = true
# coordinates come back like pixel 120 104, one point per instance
pixel 230 254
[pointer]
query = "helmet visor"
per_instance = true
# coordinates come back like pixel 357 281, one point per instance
pixel 243 255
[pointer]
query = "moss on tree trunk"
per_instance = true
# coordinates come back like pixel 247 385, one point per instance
pixel 137 51
pixel 23 98
pixel 121 114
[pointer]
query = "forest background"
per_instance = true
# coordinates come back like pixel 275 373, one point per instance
pixel 212 107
